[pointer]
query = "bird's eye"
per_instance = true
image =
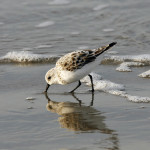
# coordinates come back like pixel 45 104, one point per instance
pixel 49 78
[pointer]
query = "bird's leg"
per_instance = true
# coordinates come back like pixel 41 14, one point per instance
pixel 77 99
pixel 91 104
pixel 91 82
pixel 47 86
pixel 76 87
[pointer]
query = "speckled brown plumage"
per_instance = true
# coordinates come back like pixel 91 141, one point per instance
pixel 77 59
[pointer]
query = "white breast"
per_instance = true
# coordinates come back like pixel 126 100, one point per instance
pixel 72 76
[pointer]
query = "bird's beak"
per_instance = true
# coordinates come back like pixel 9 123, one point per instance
pixel 47 86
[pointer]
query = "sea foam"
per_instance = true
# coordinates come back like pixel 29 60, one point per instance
pixel 27 57
pixel 143 58
pixel 59 2
pixel 108 30
pixel 83 47
pixel 101 84
pixel 100 7
pixel 126 66
pixel 45 24
pixel 145 74
pixel 113 88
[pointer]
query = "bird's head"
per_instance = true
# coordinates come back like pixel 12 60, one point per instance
pixel 50 77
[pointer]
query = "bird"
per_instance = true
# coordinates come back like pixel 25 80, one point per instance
pixel 74 66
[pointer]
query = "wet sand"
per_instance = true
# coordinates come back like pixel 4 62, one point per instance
pixel 41 31
pixel 60 121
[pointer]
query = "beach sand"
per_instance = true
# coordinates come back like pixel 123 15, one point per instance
pixel 33 35
pixel 26 122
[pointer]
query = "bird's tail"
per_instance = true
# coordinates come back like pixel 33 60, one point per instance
pixel 104 48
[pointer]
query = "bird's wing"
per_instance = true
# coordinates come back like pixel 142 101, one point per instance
pixel 80 58
pixel 76 60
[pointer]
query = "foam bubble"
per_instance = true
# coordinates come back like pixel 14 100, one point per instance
pixel 145 74
pixel 126 66
pixel 100 7
pixel 45 24
pixel 135 99
pixel 27 57
pixel 138 99
pixel 43 46
pixel 75 33
pixel 118 93
pixel 104 85
pixel 144 58
pixel 108 85
pixel 30 98
pixel 108 30
pixel 113 88
pixel 83 47
pixel 94 75
pixel 59 2
pixel 112 52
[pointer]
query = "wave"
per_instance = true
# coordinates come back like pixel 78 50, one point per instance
pixel 100 7
pixel 27 57
pixel 126 62
pixel 145 74
pixel 45 24
pixel 126 66
pixel 113 88
pixel 59 2
pixel 143 58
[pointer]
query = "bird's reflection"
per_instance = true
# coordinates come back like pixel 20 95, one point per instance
pixel 80 118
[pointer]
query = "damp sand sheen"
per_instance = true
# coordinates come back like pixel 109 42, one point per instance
pixel 34 35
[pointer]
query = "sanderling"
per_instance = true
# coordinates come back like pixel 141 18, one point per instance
pixel 74 66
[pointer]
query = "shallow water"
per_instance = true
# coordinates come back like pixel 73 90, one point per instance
pixel 33 35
